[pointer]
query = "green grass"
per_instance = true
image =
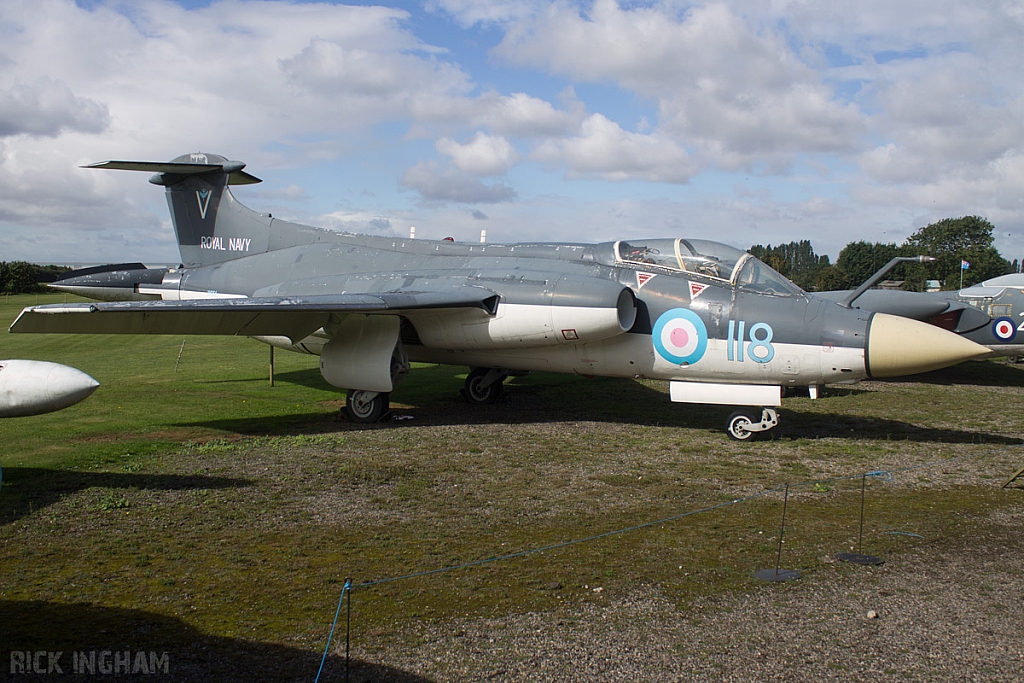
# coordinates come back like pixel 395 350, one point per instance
pixel 196 509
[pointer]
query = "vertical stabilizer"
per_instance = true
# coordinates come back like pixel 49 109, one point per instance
pixel 210 224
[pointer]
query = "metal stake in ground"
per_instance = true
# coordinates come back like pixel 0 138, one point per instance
pixel 858 557
pixel 179 354
pixel 779 574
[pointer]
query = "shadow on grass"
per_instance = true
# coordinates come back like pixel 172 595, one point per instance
pixel 190 654
pixel 541 398
pixel 989 373
pixel 801 425
pixel 30 488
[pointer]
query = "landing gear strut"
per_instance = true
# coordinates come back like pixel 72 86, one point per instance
pixel 744 424
pixel 484 385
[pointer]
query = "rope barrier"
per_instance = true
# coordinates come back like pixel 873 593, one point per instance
pixel 344 589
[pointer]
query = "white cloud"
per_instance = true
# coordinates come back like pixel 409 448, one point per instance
pixel 47 108
pixel 483 155
pixel 356 221
pixel 53 211
pixel 941 119
pixel 517 114
pixel 369 82
pixel 471 12
pixel 437 184
pixel 230 73
pixel 290 193
pixel 604 150
pixel 732 89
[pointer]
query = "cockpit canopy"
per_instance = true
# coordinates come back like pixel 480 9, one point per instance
pixel 709 259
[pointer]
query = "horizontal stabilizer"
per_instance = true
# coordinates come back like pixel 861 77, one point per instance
pixel 292 317
pixel 182 169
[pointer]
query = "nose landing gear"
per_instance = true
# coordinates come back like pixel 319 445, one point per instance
pixel 744 425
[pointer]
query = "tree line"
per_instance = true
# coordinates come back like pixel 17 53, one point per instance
pixel 21 277
pixel 954 242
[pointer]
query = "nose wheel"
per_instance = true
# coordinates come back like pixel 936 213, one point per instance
pixel 745 424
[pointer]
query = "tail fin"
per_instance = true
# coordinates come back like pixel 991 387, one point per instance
pixel 210 224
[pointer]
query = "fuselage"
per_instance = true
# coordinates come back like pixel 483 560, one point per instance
pixel 702 309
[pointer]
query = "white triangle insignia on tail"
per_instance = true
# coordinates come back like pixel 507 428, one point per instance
pixel 204 201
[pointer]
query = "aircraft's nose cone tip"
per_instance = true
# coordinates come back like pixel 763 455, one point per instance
pixel 66 386
pixel 900 346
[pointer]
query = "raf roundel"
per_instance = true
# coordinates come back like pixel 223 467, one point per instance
pixel 680 336
pixel 1004 329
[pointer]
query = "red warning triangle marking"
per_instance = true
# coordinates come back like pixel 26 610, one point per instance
pixel 696 288
pixel 642 279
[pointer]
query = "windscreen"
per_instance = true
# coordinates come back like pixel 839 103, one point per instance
pixel 707 258
pixel 756 276
pixel 711 259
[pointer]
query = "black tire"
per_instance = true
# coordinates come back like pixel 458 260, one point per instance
pixel 738 426
pixel 363 411
pixel 478 394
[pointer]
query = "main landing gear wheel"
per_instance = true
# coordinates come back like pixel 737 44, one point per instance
pixel 364 407
pixel 745 425
pixel 484 386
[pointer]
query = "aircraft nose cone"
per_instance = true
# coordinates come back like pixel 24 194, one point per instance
pixel 900 346
pixel 66 386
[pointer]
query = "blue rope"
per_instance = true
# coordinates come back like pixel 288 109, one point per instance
pixel 904 533
pixel 344 589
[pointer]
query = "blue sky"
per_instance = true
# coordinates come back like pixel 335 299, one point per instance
pixel 741 121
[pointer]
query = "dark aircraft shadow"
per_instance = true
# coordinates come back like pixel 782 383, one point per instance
pixel 430 396
pixel 986 373
pixel 796 424
pixel 34 626
pixel 26 489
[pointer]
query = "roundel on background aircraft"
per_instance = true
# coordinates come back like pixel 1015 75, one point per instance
pixel 680 336
pixel 1004 329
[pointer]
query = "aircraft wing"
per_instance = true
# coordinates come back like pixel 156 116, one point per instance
pixel 294 317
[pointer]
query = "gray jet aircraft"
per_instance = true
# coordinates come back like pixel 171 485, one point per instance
pixel 715 322
pixel 990 313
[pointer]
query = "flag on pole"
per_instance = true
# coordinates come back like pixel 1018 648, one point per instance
pixel 964 265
